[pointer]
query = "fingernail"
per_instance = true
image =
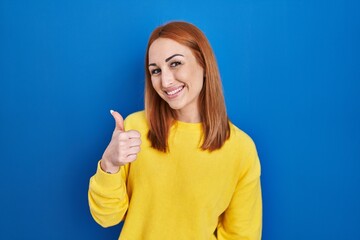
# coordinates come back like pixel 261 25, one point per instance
pixel 111 111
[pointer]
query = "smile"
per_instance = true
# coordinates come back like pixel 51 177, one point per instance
pixel 175 91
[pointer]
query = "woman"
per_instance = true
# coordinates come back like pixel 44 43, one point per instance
pixel 197 176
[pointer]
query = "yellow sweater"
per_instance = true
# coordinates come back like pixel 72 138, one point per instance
pixel 186 193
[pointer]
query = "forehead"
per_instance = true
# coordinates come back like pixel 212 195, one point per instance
pixel 162 48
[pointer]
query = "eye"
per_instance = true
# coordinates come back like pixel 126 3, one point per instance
pixel 155 71
pixel 175 64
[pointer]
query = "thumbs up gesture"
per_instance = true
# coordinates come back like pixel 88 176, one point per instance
pixel 123 147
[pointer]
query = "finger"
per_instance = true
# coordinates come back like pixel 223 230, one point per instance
pixel 119 121
pixel 133 150
pixel 134 142
pixel 131 158
pixel 126 149
pixel 133 134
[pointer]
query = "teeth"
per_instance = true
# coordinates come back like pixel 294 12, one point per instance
pixel 175 91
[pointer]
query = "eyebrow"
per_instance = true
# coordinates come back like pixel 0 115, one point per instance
pixel 168 59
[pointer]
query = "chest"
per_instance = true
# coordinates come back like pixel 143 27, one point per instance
pixel 185 174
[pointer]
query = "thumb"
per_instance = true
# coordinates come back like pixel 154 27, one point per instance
pixel 119 121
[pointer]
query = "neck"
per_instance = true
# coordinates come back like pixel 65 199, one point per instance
pixel 188 116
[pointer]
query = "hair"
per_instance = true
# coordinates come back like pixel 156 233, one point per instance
pixel 160 116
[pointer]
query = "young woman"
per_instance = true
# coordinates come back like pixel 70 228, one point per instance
pixel 196 176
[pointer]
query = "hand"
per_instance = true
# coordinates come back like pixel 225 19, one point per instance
pixel 123 147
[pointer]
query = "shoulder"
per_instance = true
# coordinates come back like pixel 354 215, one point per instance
pixel 245 149
pixel 140 115
pixel 240 139
pixel 136 120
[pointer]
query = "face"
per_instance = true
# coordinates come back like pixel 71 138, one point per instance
pixel 176 76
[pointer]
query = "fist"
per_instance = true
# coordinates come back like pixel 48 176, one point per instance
pixel 123 147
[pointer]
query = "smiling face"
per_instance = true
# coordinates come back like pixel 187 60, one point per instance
pixel 177 77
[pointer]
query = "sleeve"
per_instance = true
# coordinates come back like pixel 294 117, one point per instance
pixel 107 195
pixel 242 220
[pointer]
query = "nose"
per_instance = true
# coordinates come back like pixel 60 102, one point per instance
pixel 167 78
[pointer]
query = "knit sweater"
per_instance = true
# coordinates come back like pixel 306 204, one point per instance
pixel 186 193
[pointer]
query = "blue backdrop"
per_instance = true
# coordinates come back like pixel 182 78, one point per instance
pixel 290 72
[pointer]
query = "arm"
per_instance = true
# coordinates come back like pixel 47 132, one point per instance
pixel 242 220
pixel 108 199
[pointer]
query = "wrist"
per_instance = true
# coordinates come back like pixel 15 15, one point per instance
pixel 108 167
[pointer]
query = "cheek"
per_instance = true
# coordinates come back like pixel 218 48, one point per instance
pixel 182 76
pixel 187 76
pixel 198 78
pixel 200 85
pixel 155 83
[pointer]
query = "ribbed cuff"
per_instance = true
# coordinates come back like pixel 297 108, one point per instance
pixel 108 180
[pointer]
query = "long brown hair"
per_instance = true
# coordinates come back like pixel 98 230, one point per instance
pixel 160 116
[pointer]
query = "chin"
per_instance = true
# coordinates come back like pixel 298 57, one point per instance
pixel 175 106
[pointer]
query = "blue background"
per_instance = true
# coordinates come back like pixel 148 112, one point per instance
pixel 290 72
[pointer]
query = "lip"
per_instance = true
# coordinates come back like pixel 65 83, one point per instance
pixel 174 91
